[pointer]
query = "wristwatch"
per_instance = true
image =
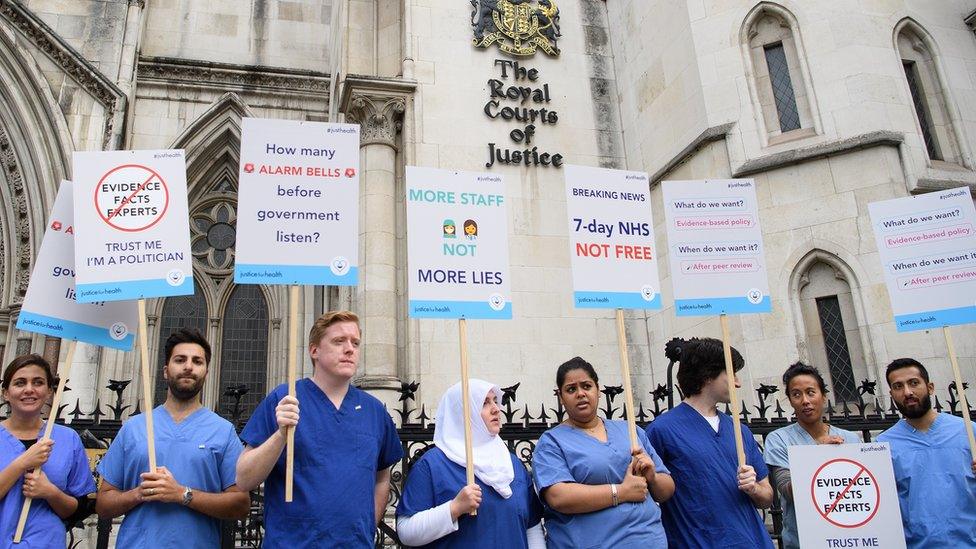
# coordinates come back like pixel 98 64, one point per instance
pixel 187 495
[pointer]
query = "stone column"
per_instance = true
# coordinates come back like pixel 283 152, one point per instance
pixel 378 106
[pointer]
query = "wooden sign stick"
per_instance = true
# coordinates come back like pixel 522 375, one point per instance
pixel 465 404
pixel 733 396
pixel 147 385
pixel 959 391
pixel 51 419
pixel 625 374
pixel 292 375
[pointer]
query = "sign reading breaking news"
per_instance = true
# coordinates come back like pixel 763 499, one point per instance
pixel 50 306
pixel 716 248
pixel 845 496
pixel 457 245
pixel 928 253
pixel 611 239
pixel 131 225
pixel 298 206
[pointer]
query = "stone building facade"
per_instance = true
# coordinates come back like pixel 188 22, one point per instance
pixel 828 105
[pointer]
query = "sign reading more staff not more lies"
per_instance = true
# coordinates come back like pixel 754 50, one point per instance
pixel 716 248
pixel 457 245
pixel 611 239
pixel 50 306
pixel 132 235
pixel 298 205
pixel 845 496
pixel 927 249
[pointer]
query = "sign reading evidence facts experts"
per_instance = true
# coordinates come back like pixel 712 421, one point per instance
pixel 50 306
pixel 928 253
pixel 716 247
pixel 131 225
pixel 611 239
pixel 845 496
pixel 298 206
pixel 457 245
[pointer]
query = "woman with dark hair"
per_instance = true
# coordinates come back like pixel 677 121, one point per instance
pixel 594 486
pixel 53 472
pixel 808 395
pixel 437 501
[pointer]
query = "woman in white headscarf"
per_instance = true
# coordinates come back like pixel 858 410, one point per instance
pixel 436 504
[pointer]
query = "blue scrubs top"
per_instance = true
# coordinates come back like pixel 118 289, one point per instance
pixel 566 454
pixel 936 487
pixel 707 510
pixel 777 454
pixel 201 452
pixel 337 456
pixel 66 468
pixel 434 480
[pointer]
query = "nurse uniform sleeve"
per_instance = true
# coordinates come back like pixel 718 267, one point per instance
pixel 418 492
pixel 80 480
pixel 777 451
pixel 534 506
pixel 754 456
pixel 549 464
pixel 228 461
pixel 391 451
pixel 112 465
pixel 645 442
pixel 263 423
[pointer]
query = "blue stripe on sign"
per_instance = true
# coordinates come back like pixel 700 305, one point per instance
pixel 935 319
pixel 67 329
pixel 131 289
pixel 719 305
pixel 458 309
pixel 315 275
pixel 614 300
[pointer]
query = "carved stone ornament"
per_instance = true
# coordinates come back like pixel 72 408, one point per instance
pixel 232 77
pixel 519 27
pixel 21 224
pixel 381 118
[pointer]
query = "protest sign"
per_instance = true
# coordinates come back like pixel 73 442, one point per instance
pixel 927 248
pixel 611 239
pixel 457 245
pixel 845 496
pixel 298 204
pixel 131 225
pixel 715 246
pixel 50 306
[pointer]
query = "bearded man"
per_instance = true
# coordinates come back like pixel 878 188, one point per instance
pixel 934 469
pixel 180 504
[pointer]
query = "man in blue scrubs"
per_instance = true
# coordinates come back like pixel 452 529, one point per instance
pixel 715 500
pixel 934 469
pixel 180 504
pixel 345 444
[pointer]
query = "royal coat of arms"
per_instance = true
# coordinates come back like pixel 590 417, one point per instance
pixel 519 27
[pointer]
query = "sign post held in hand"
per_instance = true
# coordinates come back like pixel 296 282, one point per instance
pixel 927 247
pixel 298 218
pixel 457 256
pixel 50 308
pixel 717 261
pixel 613 253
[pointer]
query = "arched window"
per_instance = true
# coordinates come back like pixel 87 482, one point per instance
pixel 925 90
pixel 244 354
pixel 186 311
pixel 779 82
pixel 831 329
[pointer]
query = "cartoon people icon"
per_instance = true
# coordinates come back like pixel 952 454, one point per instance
pixel 450 230
pixel 471 229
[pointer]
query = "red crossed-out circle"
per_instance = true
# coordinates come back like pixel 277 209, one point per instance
pixel 862 470
pixel 147 175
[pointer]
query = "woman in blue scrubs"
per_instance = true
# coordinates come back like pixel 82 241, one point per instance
pixel 64 477
pixel 596 487
pixel 435 509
